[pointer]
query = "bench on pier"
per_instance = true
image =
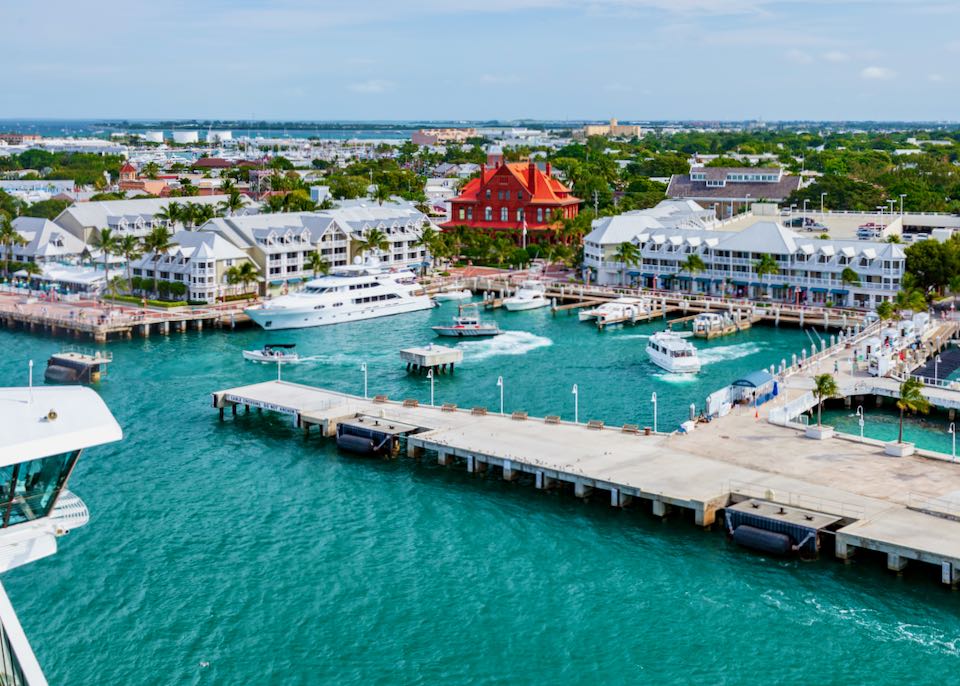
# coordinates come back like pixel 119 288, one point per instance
pixel 448 407
pixel 551 419
pixel 380 398
pixel 479 411
pixel 595 424
pixel 630 429
pixel 519 416
pixel 410 402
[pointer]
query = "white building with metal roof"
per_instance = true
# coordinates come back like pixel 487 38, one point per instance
pixel 811 271
pixel 44 242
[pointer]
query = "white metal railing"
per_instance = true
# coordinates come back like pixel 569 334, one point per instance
pixel 801 500
pixel 784 414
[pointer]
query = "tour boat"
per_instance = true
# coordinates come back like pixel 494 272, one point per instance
pixel 274 353
pixel 673 352
pixel 531 295
pixel 352 293
pixel 467 326
pixel 621 309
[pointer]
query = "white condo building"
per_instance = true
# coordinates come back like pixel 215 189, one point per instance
pixel 281 244
pixel 809 269
pixel 200 260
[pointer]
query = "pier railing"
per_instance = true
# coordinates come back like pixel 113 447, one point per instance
pixel 794 499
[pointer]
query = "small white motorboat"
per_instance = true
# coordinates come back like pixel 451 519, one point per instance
pixel 673 352
pixel 274 353
pixel 453 293
pixel 467 326
pixel 531 295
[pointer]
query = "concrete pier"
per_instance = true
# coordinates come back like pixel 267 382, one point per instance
pixel 436 357
pixel 724 463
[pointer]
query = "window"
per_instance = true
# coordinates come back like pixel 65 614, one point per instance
pixel 470 213
pixel 462 213
pixel 539 215
pixel 28 489
pixel 488 194
pixel 504 214
pixel 506 195
pixel 499 195
pixel 488 214
pixel 519 195
pixel 520 215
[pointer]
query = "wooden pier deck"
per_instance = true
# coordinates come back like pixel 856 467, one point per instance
pixel 703 472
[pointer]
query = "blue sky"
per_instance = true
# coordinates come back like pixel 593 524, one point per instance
pixel 440 59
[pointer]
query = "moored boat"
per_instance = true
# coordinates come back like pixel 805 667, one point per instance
pixel 531 295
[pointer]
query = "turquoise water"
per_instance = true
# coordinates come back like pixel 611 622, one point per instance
pixel 240 552
pixel 925 431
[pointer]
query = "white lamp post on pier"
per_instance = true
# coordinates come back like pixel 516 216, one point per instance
pixel 363 368
pixel 576 404
pixel 430 376
pixel 653 399
pixel 936 369
pixel 860 420
pixel 500 385
pixel 953 436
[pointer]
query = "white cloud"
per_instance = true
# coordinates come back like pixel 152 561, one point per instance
pixel 877 73
pixel 372 86
pixel 836 56
pixel 935 78
pixel 799 57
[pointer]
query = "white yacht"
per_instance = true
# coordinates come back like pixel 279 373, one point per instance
pixel 673 352
pixel 353 293
pixel 42 433
pixel 616 310
pixel 710 324
pixel 531 295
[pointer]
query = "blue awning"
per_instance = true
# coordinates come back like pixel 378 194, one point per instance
pixel 703 279
pixel 819 290
pixel 839 291
pixel 755 379
pixel 681 277
pixel 648 275
pixel 634 273
pixel 740 283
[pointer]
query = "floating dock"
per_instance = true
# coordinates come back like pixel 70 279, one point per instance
pixel 435 357
pixel 703 473
pixel 77 365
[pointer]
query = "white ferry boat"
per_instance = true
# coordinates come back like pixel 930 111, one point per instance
pixel 531 295
pixel 673 352
pixel 467 326
pixel 42 433
pixel 623 308
pixel 353 293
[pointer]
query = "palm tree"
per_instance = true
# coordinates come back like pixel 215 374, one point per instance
pixel 381 194
pixel 885 310
pixel 909 300
pixel 151 170
pixel 234 202
pixel 244 273
pixel 108 243
pixel 824 386
pixel 128 247
pixel 628 255
pixel 911 399
pixel 318 264
pixel 375 241
pixel 274 204
pixel 766 265
pixel 191 212
pixel 849 277
pixel 203 214
pixel 171 214
pixel 9 237
pixel 158 242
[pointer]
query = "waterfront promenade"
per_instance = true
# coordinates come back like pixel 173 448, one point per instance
pixel 734 459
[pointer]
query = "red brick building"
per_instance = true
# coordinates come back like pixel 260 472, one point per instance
pixel 507 195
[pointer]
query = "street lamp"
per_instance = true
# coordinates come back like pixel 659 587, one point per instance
pixel 653 399
pixel 902 196
pixel 891 203
pixel 500 385
pixel 576 404
pixel 822 196
pixel 860 420
pixel 936 369
pixel 953 438
pixel 363 368
pixel 804 222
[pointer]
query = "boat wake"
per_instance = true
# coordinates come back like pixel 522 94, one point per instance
pixel 672 377
pixel 507 343
pixel 727 352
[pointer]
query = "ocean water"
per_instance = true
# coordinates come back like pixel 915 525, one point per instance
pixel 928 431
pixel 240 552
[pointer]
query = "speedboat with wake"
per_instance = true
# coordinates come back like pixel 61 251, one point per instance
pixel 467 325
pixel 274 353
pixel 673 352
